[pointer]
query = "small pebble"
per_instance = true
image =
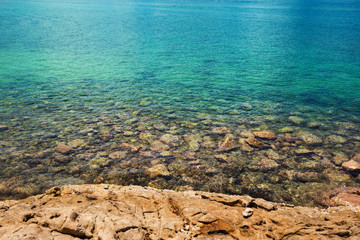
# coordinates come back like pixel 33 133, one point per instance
pixel 248 212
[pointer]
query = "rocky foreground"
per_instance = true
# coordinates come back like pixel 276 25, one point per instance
pixel 115 212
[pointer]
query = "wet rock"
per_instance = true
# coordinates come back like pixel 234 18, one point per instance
pixel 194 145
pixel 3 128
pixel 98 180
pixel 220 130
pixel 221 158
pixel 314 125
pixel 244 146
pixel 147 137
pixel 356 157
pixel 289 174
pixel 248 212
pixel 131 121
pixel 246 106
pixel 208 144
pixel 265 135
pixel 246 134
pixel 256 143
pixel 61 158
pixel 286 130
pixel 157 170
pixel 343 196
pixel 351 165
pixel 297 120
pixel 338 160
pixel 131 148
pixel 147 154
pixel 64 149
pixel 267 164
pixel 303 151
pixel 189 155
pixel 169 139
pixel 76 143
pixel 227 144
pixel 289 138
pixel 311 139
pixel 98 162
pixel 42 154
pixel 144 103
pixel 118 155
pixel 336 176
pixel 166 154
pixel 336 139
pixel 160 126
pixel 307 177
pixel 203 116
pixel 273 155
pixel 129 133
pixel 311 165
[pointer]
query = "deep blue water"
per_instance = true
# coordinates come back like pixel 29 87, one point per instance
pixel 65 64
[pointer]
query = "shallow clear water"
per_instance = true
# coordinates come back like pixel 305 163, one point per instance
pixel 93 70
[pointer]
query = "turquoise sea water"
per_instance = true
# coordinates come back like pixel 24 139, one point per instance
pixel 108 71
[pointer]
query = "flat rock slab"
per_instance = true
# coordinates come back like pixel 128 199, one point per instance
pixel 132 212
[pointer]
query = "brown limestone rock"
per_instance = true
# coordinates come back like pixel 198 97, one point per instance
pixel 115 212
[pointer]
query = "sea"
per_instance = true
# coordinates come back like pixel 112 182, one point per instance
pixel 257 97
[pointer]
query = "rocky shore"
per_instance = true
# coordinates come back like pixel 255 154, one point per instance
pixel 133 212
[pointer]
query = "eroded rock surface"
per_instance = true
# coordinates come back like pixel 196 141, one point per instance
pixel 132 212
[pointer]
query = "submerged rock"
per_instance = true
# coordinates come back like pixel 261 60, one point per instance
pixel 64 149
pixel 117 155
pixel 286 130
pixel 256 143
pixel 307 177
pixel 76 143
pixel 3 128
pixel 311 139
pixel 194 146
pixel 265 135
pixel 220 130
pixel 227 144
pixel 336 139
pixel 267 164
pixel 336 176
pixel 273 155
pixel 303 151
pixel 98 162
pixel 297 120
pixel 157 170
pixel 343 196
pixel 339 159
pixel 244 146
pixel 169 139
pixel 351 165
